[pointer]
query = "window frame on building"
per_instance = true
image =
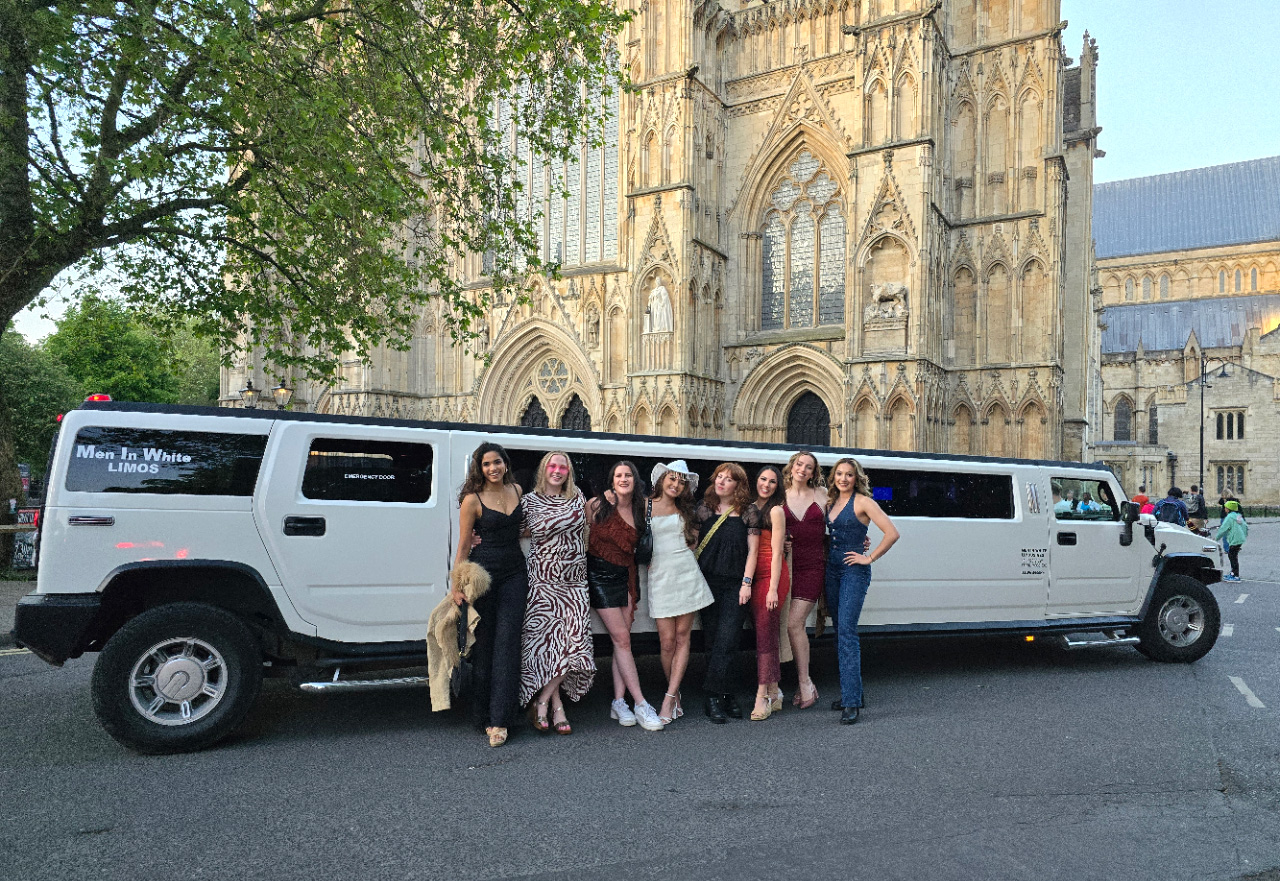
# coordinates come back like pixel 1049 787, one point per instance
pixel 1229 424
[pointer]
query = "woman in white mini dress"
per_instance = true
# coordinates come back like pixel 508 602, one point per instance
pixel 677 589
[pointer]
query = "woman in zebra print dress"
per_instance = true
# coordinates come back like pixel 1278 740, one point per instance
pixel 556 654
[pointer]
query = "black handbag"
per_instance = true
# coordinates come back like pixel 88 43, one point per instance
pixel 644 544
pixel 460 678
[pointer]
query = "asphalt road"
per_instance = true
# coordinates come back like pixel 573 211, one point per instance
pixel 976 759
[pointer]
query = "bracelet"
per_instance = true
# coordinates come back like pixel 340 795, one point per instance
pixel 746 579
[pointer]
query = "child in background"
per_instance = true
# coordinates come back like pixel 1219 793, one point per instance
pixel 1233 532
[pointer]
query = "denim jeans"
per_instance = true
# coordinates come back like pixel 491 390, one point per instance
pixel 846 592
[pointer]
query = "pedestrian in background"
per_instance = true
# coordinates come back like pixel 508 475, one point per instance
pixel 1233 532
pixel 1197 510
pixel 1172 509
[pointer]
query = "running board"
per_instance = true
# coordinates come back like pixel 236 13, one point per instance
pixel 336 684
pixel 1097 640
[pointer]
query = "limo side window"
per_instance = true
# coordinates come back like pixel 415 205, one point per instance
pixel 909 493
pixel 1075 499
pixel 149 460
pixel 341 469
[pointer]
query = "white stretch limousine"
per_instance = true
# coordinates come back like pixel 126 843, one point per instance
pixel 195 548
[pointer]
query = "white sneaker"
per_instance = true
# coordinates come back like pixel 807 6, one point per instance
pixel 620 711
pixel 647 716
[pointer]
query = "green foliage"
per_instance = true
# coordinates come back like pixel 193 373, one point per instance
pixel 298 175
pixel 107 350
pixel 196 364
pixel 37 387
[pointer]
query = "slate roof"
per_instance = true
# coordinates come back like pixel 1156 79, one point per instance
pixel 1218 321
pixel 1200 208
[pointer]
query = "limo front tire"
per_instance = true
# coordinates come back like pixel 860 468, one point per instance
pixel 177 678
pixel 1182 621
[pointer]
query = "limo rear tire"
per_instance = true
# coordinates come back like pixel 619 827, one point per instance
pixel 1182 621
pixel 177 678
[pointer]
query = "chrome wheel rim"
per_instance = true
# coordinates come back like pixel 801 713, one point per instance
pixel 1181 621
pixel 178 681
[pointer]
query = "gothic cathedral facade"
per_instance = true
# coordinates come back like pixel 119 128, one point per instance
pixel 856 222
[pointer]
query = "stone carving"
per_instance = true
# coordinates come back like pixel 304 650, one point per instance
pixel 593 327
pixel 659 318
pixel 888 303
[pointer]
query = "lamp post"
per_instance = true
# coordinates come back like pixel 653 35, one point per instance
pixel 1204 384
pixel 282 393
pixel 249 395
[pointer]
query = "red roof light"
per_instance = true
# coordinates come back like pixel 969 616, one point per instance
pixel 98 397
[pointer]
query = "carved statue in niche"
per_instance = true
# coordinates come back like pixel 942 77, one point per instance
pixel 659 318
pixel 888 302
pixel 593 327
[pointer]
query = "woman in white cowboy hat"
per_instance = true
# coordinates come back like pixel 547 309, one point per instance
pixel 677 589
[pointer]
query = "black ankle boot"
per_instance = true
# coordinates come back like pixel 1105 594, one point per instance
pixel 836 705
pixel 731 706
pixel 848 715
pixel 715 711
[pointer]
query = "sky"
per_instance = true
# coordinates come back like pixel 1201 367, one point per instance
pixel 1181 84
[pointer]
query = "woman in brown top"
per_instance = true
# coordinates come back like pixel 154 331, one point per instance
pixel 617 516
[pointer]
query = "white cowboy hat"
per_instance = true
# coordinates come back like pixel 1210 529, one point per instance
pixel 679 466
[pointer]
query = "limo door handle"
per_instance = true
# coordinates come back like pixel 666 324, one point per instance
pixel 313 526
pixel 1066 538
pixel 91 521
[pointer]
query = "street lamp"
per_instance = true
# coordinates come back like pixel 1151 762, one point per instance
pixel 1204 384
pixel 282 393
pixel 249 395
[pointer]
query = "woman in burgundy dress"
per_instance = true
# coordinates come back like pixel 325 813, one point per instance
pixel 806 529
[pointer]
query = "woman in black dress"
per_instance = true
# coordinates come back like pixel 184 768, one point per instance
pixel 490 509
pixel 728 541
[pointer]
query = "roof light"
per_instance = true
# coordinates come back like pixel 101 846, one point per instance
pixel 98 397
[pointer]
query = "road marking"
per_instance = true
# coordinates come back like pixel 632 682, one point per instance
pixel 1242 598
pixel 14 652
pixel 1250 698
pixel 1228 629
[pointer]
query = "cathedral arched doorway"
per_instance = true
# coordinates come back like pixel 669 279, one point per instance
pixel 575 416
pixel 534 415
pixel 809 422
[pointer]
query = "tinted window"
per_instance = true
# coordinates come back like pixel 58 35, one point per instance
pixel 943 494
pixel 139 460
pixel 367 471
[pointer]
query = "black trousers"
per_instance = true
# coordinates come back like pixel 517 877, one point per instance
pixel 496 653
pixel 1233 554
pixel 721 630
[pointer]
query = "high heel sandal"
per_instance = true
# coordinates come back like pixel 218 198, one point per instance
pixel 776 701
pixel 667 720
pixel 497 736
pixel 562 726
pixel 539 719
pixel 803 702
pixel 758 715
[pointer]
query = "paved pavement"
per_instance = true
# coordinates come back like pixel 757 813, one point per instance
pixel 976 759
pixel 10 593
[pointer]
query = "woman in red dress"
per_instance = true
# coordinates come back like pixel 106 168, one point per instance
pixel 769 589
pixel 806 529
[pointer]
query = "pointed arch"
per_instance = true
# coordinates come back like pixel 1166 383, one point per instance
pixel 1122 418
pixel 995 430
pixel 900 414
pixel 777 382
pixel 509 382
pixel 1032 431
pixel 875 129
pixel 865 423
pixel 999 306
pixel 1035 308
pixel 962 430
pixel 965 296
pixel 640 420
pixel 669 422
pixel 905 119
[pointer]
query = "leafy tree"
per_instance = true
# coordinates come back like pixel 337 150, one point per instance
pixel 298 175
pixel 196 365
pixel 38 388
pixel 106 349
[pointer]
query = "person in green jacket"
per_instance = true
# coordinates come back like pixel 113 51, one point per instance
pixel 1234 530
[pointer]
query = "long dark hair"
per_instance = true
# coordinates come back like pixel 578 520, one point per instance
pixel 605 507
pixel 686 507
pixel 475 474
pixel 779 496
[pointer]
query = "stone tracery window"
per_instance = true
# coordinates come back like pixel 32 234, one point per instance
pixel 803 258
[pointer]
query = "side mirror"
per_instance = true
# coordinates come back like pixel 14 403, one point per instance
pixel 1130 511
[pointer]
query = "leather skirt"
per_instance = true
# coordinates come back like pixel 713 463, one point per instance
pixel 607 584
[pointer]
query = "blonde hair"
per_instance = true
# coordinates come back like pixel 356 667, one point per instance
pixel 815 479
pixel 540 480
pixel 861 483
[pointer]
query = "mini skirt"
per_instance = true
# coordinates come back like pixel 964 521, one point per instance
pixel 607 584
